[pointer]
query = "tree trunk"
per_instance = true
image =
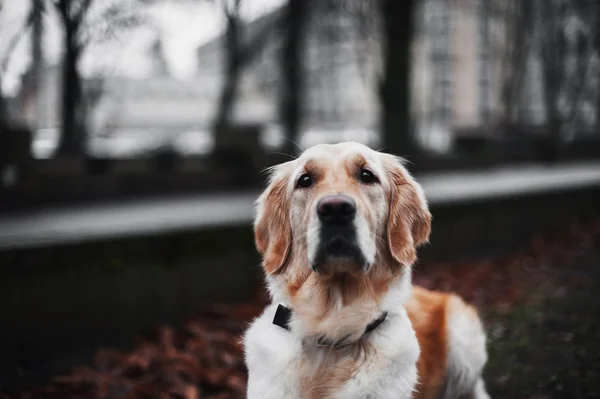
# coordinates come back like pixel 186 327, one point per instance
pixel 37 60
pixel 231 79
pixel 4 113
pixel 597 49
pixel 395 87
pixel 518 17
pixel 550 151
pixel 553 53
pixel 292 93
pixel 73 112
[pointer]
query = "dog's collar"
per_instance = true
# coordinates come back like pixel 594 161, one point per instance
pixel 283 315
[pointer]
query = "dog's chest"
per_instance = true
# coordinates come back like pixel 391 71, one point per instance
pixel 279 367
pixel 378 376
pixel 342 375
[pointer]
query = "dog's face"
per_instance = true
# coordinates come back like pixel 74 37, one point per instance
pixel 339 210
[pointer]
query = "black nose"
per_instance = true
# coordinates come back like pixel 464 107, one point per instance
pixel 336 209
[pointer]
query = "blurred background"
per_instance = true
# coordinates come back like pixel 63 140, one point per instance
pixel 134 133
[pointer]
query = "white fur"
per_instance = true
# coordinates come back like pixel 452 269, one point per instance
pixel 312 239
pixel 270 354
pixel 365 239
pixel 273 355
pixel 466 353
pixel 392 373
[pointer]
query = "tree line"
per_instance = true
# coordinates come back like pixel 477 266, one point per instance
pixel 563 35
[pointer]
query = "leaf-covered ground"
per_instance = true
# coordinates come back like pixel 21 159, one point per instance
pixel 540 307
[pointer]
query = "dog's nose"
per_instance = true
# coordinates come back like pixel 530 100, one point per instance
pixel 336 209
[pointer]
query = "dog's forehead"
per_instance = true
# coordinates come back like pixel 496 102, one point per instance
pixel 336 153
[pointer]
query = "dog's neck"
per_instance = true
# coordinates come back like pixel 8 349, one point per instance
pixel 319 312
pixel 283 317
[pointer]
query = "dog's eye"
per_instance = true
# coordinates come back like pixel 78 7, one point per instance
pixel 367 177
pixel 304 181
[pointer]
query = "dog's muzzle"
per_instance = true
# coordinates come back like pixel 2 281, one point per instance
pixel 338 250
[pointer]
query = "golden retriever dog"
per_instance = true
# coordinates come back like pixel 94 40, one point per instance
pixel 338 229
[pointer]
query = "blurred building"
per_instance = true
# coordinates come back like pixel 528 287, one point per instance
pixel 458 68
pixel 458 56
pixel 45 113
pixel 137 115
pixel 159 101
pixel 338 88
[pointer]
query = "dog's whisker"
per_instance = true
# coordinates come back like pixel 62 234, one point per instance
pixel 294 143
pixel 282 153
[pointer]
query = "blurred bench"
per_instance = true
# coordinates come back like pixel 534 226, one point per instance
pixel 191 212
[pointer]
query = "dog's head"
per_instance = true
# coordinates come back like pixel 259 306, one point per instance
pixel 339 211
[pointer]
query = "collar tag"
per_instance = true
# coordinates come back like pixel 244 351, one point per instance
pixel 282 317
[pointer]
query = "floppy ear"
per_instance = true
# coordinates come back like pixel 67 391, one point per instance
pixel 409 222
pixel 272 227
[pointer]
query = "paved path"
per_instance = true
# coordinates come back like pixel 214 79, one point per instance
pixel 94 222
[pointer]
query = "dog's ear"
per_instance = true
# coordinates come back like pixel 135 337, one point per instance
pixel 272 226
pixel 409 221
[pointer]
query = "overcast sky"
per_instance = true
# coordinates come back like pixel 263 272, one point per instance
pixel 182 25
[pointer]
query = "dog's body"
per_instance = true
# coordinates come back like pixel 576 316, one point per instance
pixel 452 342
pixel 338 229
pixel 280 366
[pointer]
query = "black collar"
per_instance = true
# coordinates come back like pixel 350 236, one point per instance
pixel 284 314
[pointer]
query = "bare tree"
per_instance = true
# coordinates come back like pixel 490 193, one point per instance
pixel 394 88
pixel 292 91
pixel 596 45
pixel 587 44
pixel 511 45
pixel 5 57
pixel 365 19
pixel 72 14
pixel 552 49
pixel 345 32
pixel 4 112
pixel 80 30
pixel 567 39
pixel 239 51
pixel 562 36
pixel 14 137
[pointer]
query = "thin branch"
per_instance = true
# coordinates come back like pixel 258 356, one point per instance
pixel 251 49
pixel 111 22
pixel 72 19
pixel 78 16
pixel 85 6
pixel 231 10
pixel 62 7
